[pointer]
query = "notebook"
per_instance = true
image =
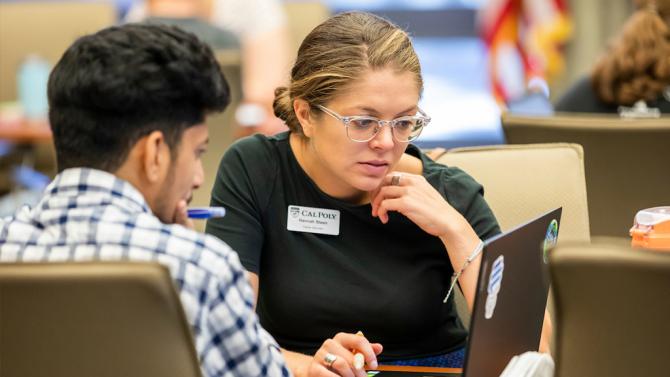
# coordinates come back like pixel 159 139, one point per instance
pixel 511 297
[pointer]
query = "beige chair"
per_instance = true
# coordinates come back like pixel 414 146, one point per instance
pixel 524 181
pixel 612 310
pixel 626 162
pixel 92 319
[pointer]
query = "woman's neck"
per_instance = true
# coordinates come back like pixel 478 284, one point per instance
pixel 308 160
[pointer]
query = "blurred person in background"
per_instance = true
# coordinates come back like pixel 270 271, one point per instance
pixel 260 26
pixel 635 67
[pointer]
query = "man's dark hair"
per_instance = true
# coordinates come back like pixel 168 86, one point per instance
pixel 113 87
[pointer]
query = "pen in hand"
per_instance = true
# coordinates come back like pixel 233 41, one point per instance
pixel 359 358
pixel 205 212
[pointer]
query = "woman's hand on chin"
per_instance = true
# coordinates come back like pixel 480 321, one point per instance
pixel 414 197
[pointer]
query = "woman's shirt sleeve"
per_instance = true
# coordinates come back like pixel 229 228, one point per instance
pixel 243 184
pixel 464 194
pixel 467 196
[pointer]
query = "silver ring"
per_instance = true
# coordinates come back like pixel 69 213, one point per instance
pixel 395 180
pixel 329 359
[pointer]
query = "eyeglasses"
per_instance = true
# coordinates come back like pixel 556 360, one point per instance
pixel 362 128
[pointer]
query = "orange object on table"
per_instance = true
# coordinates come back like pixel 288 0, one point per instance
pixel 652 229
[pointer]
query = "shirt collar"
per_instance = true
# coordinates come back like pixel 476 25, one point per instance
pixel 105 187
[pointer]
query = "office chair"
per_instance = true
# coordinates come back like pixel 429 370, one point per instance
pixel 626 162
pixel 92 319
pixel 612 310
pixel 524 181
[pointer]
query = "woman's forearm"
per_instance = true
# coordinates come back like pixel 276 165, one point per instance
pixel 460 241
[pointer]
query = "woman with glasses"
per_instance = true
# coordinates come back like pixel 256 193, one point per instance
pixel 344 225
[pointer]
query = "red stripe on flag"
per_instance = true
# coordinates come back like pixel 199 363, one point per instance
pixel 510 8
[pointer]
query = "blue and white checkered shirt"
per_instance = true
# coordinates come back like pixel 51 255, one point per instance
pixel 88 214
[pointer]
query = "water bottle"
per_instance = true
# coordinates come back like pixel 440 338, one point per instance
pixel 32 79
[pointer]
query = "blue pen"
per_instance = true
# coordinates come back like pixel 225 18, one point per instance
pixel 206 212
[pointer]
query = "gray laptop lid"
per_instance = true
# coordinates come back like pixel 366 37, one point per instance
pixel 511 295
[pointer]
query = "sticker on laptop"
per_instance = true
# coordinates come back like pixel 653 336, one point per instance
pixel 550 240
pixel 495 281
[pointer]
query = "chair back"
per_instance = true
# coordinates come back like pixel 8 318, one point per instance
pixel 92 319
pixel 612 306
pixel 524 181
pixel 626 162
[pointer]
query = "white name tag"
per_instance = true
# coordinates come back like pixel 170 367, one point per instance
pixel 313 220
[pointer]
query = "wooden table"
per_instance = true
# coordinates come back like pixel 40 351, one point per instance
pixel 398 368
pixel 25 131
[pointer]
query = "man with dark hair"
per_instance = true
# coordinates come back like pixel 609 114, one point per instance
pixel 127 110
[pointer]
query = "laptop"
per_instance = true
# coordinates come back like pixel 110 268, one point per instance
pixel 511 297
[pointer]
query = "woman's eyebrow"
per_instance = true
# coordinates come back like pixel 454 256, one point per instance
pixel 375 112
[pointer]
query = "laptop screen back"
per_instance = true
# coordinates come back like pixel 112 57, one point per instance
pixel 511 295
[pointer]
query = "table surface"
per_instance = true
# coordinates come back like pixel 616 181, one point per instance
pixel 25 131
pixel 399 368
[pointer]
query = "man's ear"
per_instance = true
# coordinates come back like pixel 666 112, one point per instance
pixel 155 157
pixel 303 112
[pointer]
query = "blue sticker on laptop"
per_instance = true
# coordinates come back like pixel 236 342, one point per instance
pixel 495 283
pixel 550 240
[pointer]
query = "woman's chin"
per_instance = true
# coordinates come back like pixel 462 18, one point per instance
pixel 368 183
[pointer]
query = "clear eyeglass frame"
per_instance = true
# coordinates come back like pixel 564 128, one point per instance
pixel 359 131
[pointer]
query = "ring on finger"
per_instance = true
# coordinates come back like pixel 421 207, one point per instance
pixel 395 180
pixel 329 359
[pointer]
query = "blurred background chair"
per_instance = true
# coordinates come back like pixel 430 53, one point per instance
pixel 92 319
pixel 524 181
pixel 626 162
pixel 612 309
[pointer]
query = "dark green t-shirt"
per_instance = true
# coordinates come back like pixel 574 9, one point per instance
pixel 385 280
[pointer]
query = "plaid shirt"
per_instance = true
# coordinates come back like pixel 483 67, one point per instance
pixel 88 215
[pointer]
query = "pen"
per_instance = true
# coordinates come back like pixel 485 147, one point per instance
pixel 359 358
pixel 206 212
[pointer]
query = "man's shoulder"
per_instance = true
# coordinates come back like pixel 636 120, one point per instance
pixel 204 250
pixel 15 227
pixel 194 238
